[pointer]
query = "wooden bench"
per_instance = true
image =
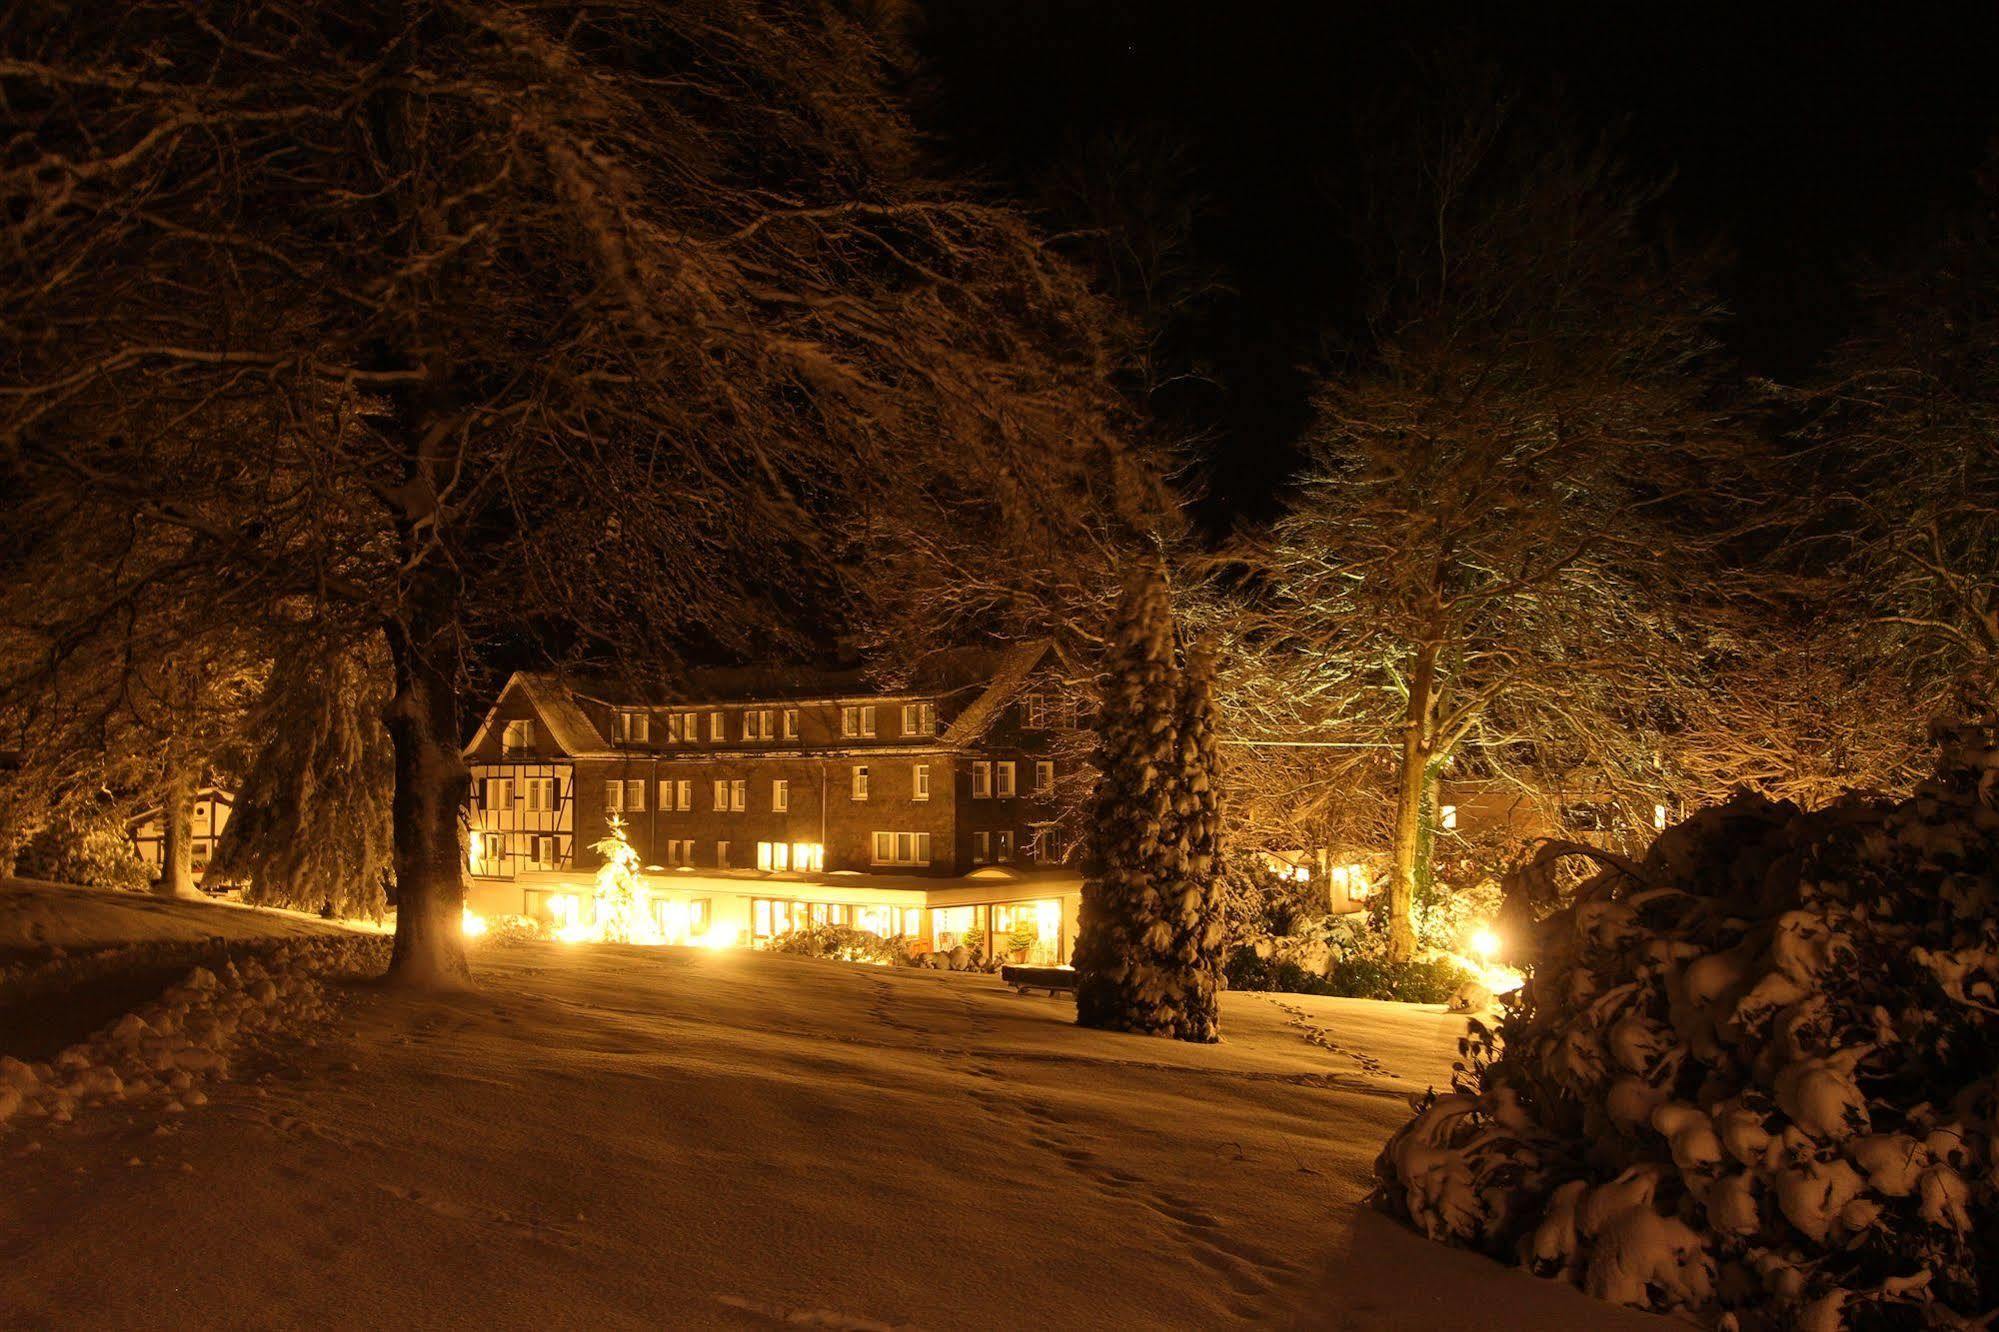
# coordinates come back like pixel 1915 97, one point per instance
pixel 1055 980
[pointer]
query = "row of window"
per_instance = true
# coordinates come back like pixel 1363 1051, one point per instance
pixel 771 917
pixel 633 726
pixel 537 794
pixel 990 780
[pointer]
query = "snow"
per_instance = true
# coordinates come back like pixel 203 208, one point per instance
pixel 1752 1071
pixel 622 1137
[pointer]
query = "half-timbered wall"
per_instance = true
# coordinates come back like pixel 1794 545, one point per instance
pixel 518 826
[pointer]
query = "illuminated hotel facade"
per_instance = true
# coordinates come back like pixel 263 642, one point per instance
pixel 762 800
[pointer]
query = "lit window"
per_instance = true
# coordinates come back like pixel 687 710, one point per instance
pixel 1659 816
pixel 902 848
pixel 780 795
pixel 544 852
pixel 860 790
pixel 1044 776
pixel 517 737
pixel 633 727
pixel 1003 779
pixel 774 857
pixel 808 856
pixel 760 918
pixel 540 794
pixel 1448 816
pixel 919 782
pixel 499 793
pixel 982 780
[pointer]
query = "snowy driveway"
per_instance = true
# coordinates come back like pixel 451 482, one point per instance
pixel 613 1137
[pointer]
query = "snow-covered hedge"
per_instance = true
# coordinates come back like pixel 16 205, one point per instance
pixel 163 1052
pixel 1753 1076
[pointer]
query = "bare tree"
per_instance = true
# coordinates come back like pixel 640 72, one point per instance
pixel 1904 432
pixel 1493 549
pixel 440 321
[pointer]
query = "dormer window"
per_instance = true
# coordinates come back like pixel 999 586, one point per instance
pixel 634 726
pixel 857 721
pixel 517 737
pixel 919 719
pixel 1033 712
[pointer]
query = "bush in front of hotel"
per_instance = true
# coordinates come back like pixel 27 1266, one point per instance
pixel 843 943
pixel 1350 977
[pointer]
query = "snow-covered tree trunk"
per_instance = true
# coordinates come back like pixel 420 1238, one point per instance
pixel 432 783
pixel 1144 918
pixel 177 834
pixel 1415 776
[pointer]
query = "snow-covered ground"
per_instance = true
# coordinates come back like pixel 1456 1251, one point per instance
pixel 624 1137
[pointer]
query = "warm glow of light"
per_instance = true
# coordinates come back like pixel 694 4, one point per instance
pixel 1659 816
pixel 471 924
pixel 1484 942
pixel 721 936
pixel 478 853
pixel 1302 873
pixel 1047 920
pixel 1354 880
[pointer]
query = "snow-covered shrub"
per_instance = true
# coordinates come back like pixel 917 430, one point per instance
pixel 510 930
pixel 1421 982
pixel 84 844
pixel 162 1053
pixel 1754 1072
pixel 843 942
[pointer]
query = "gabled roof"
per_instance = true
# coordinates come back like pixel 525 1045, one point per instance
pixel 568 725
pixel 996 673
pixel 212 793
pixel 1015 665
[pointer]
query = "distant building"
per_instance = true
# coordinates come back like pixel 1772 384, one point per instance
pixel 1495 817
pixel 763 799
pixel 208 817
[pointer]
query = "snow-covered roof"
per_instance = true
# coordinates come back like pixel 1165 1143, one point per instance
pixel 210 793
pixel 997 674
pixel 567 724
pixel 1015 665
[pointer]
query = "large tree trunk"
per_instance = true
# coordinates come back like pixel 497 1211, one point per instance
pixel 177 835
pixel 1412 788
pixel 431 786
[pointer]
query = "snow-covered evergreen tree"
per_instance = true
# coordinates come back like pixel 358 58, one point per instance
pixel 1150 931
pixel 620 894
pixel 1193 908
pixel 310 828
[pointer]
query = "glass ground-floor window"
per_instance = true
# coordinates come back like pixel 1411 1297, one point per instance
pixel 1029 932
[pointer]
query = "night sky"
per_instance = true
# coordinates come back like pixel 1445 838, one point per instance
pixel 1804 141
